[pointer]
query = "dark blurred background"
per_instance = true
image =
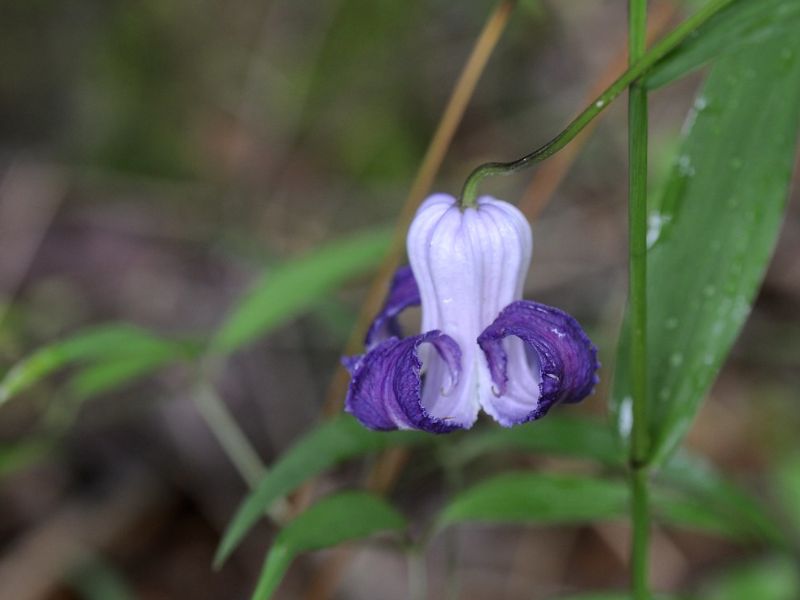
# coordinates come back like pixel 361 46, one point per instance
pixel 156 155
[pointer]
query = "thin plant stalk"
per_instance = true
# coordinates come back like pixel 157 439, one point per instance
pixel 417 574
pixel 637 69
pixel 230 436
pixel 637 287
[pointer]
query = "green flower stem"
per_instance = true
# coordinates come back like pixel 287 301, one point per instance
pixel 640 535
pixel 637 285
pixel 636 70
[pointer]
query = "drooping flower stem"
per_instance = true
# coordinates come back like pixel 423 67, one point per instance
pixel 637 282
pixel 637 69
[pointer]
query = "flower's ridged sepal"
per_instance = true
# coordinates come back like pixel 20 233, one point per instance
pixel 554 362
pixel 403 293
pixel 386 386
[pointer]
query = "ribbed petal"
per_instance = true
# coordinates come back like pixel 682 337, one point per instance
pixel 468 265
pixel 386 386
pixel 403 293
pixel 538 356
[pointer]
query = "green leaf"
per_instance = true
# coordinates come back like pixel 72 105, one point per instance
pixel 786 482
pixel 738 27
pixel 687 512
pixel 714 231
pixel 102 343
pixel 772 579
pixel 548 499
pixel 20 455
pixel 108 375
pixel 333 520
pixel 538 498
pixel 708 500
pixel 332 442
pixel 557 434
pixel 716 493
pixel 287 291
pixel 599 596
pixel 613 596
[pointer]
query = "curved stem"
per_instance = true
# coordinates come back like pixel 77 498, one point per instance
pixel 635 71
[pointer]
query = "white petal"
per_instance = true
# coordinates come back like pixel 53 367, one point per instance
pixel 468 265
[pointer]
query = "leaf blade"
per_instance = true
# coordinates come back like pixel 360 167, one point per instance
pixel 559 434
pixel 332 442
pixel 540 498
pixel 719 219
pixel 559 499
pixel 709 487
pixel 343 517
pixel 103 342
pixel 291 288
pixel 737 26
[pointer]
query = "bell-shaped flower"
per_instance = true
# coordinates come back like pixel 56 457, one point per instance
pixel 481 346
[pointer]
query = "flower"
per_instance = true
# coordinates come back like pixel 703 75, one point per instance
pixel 481 346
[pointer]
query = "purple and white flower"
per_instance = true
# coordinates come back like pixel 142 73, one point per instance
pixel 481 346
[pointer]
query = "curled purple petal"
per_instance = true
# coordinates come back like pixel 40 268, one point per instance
pixel 386 386
pixel 538 356
pixel 403 293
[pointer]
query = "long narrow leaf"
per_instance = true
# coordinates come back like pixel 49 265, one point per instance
pixel 613 596
pixel 741 24
pixel 771 579
pixel 109 375
pixel 549 499
pixel 538 498
pixel 333 520
pixel 698 482
pixel 557 434
pixel 715 230
pixel 105 342
pixel 288 290
pixel 785 484
pixel 332 442
pixel 710 488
